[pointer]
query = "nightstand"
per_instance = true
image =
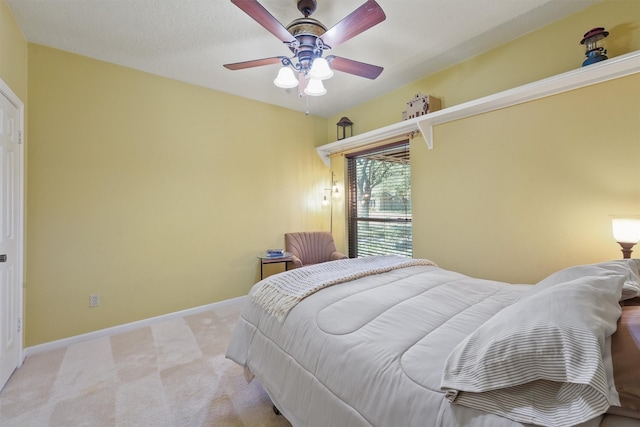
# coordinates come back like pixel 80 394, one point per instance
pixel 264 259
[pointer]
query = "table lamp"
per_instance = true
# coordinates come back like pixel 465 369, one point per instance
pixel 626 231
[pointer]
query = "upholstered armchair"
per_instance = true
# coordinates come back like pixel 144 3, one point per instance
pixel 311 247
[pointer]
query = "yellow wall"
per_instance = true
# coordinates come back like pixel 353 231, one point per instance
pixel 13 53
pixel 154 193
pixel 521 192
pixel 516 194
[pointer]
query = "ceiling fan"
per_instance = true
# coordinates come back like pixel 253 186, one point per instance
pixel 308 39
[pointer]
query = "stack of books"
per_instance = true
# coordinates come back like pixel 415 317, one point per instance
pixel 275 253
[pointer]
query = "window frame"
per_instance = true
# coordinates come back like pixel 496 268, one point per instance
pixel 403 146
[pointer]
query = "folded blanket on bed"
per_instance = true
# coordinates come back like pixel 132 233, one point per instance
pixel 279 293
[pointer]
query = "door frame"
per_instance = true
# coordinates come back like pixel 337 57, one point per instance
pixel 6 91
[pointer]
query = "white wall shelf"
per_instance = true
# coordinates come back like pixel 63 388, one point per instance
pixel 613 68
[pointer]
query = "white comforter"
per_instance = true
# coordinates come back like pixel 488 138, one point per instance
pixel 372 352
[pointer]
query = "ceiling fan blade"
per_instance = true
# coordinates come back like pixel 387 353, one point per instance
pixel 254 63
pixel 264 18
pixel 361 19
pixel 354 67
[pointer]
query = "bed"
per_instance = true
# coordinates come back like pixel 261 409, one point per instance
pixel 390 341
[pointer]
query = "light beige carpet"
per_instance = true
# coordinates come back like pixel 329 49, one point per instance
pixel 172 373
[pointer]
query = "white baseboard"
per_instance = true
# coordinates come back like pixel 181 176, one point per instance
pixel 53 345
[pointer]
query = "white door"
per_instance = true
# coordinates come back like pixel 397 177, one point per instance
pixel 11 110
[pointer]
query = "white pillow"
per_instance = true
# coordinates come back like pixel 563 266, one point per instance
pixel 630 268
pixel 544 359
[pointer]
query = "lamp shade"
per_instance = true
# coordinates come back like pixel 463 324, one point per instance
pixel 320 69
pixel 315 88
pixel 626 230
pixel 286 79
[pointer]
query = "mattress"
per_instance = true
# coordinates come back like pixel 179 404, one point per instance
pixel 371 352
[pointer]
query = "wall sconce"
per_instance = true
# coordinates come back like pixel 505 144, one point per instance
pixel 334 194
pixel 335 190
pixel 344 124
pixel 626 231
pixel 325 201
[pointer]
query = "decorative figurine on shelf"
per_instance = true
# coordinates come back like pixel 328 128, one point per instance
pixel 420 105
pixel 594 47
pixel 343 124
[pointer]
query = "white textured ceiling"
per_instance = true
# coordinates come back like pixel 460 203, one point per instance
pixel 190 40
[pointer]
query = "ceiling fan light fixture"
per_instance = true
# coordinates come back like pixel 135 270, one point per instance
pixel 320 69
pixel 308 38
pixel 315 88
pixel 286 79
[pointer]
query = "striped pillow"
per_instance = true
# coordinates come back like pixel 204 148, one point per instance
pixel 545 359
pixel 630 268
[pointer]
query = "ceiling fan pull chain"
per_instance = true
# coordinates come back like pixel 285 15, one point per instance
pixel 306 111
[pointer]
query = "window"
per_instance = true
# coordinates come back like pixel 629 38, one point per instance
pixel 379 206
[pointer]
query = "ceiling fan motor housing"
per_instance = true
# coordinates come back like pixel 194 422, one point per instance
pixel 307 32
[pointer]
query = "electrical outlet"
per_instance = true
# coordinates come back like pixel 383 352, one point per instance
pixel 94 300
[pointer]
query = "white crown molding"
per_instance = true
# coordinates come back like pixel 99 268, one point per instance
pixel 614 68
